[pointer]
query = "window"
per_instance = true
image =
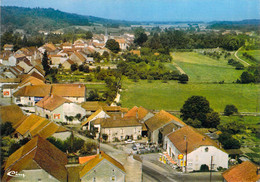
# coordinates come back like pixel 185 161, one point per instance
pixel 94 179
pixel 206 149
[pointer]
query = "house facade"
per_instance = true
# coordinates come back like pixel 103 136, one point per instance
pixel 121 129
pixel 59 109
pixel 103 168
pixel 187 146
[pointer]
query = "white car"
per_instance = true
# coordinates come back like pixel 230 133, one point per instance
pixel 129 141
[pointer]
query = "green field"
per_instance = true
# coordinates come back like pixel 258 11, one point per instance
pixel 254 53
pixel 202 68
pixel 172 95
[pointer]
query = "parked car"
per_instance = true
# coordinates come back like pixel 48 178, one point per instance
pixel 134 147
pixel 129 141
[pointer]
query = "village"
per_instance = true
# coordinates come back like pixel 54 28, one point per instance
pixel 63 136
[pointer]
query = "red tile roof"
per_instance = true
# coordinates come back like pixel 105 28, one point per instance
pixel 160 119
pixel 85 159
pixel 52 102
pixel 38 153
pixel 194 138
pixel 244 172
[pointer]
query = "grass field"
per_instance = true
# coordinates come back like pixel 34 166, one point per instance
pixel 202 68
pixel 254 53
pixel 172 95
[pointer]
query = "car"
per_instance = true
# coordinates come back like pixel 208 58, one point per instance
pixel 134 147
pixel 129 141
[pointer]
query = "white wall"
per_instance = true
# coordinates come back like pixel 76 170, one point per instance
pixel 198 157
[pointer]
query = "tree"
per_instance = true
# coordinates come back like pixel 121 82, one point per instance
pixel 247 77
pixel 228 141
pixel 230 109
pixel 113 45
pixel 81 67
pixel 140 36
pixel 183 78
pixel 196 107
pixel 212 121
pixel 93 96
pixel 73 67
pixel 194 123
pixel 7 129
pixel 88 35
pixel 45 63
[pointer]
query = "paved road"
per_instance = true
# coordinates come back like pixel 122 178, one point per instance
pixel 241 60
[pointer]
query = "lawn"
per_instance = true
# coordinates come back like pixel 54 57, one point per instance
pixel 202 68
pixel 172 95
pixel 254 53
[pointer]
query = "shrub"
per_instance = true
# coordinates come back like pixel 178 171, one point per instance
pixel 230 109
pixel 204 168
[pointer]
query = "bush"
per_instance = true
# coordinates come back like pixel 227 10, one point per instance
pixel 204 168
pixel 183 78
pixel 230 109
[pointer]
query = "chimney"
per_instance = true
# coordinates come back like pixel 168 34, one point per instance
pixel 97 150
pixel 137 114
pixel 100 154
pixel 204 138
pixel 122 114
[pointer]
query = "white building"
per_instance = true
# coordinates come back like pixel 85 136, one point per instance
pixel 198 148
pixel 59 109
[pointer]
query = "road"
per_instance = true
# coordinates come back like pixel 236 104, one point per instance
pixel 241 60
pixel 153 170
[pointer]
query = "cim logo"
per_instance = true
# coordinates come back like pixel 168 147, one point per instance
pixel 15 174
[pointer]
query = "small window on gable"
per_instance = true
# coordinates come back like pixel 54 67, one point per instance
pixel 206 149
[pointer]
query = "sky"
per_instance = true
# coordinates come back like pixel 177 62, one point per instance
pixel 152 10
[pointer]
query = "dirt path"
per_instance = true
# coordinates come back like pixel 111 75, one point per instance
pixel 241 60
pixel 178 68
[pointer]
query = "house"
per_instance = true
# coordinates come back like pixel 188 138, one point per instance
pixel 244 172
pixel 31 94
pixel 78 57
pixel 102 168
pixel 11 113
pixel 118 128
pixel 66 45
pixel 31 80
pixel 37 69
pixel 98 114
pixel 140 113
pixel 67 64
pixel 9 81
pixel 58 109
pixel 8 47
pixel 8 90
pixel 73 92
pixel 26 65
pixel 158 121
pixel 188 144
pixel 34 125
pixel 37 160
pixel 122 43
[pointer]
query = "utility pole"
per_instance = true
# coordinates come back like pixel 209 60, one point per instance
pixel 210 171
pixel 186 162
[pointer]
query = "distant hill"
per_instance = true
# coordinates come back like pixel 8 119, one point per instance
pixel 250 24
pixel 13 17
